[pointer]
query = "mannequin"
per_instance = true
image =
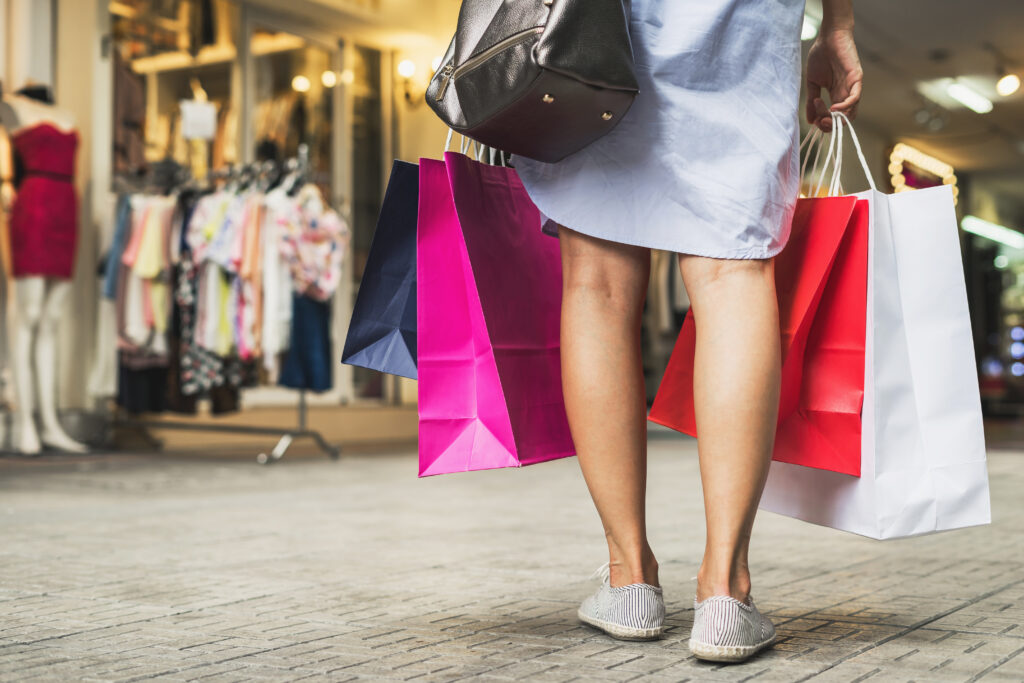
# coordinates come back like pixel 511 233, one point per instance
pixel 42 219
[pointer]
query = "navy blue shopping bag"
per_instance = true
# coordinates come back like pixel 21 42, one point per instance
pixel 382 334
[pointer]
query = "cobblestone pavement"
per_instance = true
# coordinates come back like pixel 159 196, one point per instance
pixel 138 568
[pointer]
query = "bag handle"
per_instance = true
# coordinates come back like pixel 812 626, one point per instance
pixel 833 164
pixel 495 156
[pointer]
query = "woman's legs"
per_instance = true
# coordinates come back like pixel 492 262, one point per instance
pixel 736 394
pixel 604 285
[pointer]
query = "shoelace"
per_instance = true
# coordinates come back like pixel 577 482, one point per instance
pixel 604 572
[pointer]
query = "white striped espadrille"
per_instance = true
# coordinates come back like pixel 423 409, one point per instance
pixel 727 630
pixel 633 612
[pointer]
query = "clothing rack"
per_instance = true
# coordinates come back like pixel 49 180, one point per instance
pixel 299 165
pixel 287 435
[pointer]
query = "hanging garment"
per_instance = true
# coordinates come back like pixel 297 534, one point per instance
pixel 308 362
pixel 313 242
pixel 277 285
pixel 129 119
pixel 44 218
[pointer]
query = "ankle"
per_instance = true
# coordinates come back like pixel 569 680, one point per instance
pixel 639 568
pixel 734 583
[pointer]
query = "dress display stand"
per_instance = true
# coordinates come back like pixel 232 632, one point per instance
pixel 43 226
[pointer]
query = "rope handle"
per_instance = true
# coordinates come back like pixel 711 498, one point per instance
pixel 814 141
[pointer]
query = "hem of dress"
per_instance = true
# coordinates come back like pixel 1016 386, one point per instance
pixel 19 274
pixel 737 255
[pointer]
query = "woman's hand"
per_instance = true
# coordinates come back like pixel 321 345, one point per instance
pixel 833 64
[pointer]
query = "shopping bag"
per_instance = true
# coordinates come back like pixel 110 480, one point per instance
pixel 922 444
pixel 821 280
pixel 382 333
pixel 489 293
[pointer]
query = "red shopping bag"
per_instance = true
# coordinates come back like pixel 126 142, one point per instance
pixel 821 280
pixel 489 294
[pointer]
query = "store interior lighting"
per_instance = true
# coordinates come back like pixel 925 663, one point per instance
pixel 301 84
pixel 1007 85
pixel 407 68
pixel 969 97
pixel 993 231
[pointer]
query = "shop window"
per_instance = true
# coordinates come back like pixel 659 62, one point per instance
pixel 294 104
pixel 166 52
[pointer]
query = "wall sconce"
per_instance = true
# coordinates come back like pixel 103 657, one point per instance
pixel 415 94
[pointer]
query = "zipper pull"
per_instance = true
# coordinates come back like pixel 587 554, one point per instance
pixel 448 72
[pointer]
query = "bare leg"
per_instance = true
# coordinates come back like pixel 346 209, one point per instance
pixel 736 394
pixel 30 293
pixel 602 376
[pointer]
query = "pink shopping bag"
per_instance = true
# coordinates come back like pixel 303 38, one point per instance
pixel 489 299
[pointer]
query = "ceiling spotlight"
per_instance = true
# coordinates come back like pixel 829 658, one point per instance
pixel 969 97
pixel 1007 85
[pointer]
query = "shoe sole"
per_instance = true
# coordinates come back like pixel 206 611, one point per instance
pixel 727 653
pixel 619 631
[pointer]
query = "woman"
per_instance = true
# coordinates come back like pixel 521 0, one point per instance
pixel 705 165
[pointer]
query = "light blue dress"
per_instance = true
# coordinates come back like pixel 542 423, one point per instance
pixel 705 162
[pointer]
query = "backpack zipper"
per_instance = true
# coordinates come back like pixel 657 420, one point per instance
pixel 451 72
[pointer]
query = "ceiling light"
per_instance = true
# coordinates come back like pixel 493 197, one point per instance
pixel 301 84
pixel 329 79
pixel 970 98
pixel 436 63
pixel 810 29
pixel 993 231
pixel 1007 85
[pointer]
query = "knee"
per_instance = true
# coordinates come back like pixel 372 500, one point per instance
pixel 29 314
pixel 703 274
pixel 598 286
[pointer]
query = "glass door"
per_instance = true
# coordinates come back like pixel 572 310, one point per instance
pixel 305 88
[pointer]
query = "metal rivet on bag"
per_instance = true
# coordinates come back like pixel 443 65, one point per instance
pixel 607 116
pixel 548 98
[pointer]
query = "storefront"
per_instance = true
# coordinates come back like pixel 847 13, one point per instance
pixel 272 86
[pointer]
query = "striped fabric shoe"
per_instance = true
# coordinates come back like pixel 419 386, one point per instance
pixel 634 612
pixel 727 630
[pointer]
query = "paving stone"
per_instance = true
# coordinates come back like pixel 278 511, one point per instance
pixel 139 569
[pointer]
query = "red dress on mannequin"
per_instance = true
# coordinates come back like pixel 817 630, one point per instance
pixel 44 218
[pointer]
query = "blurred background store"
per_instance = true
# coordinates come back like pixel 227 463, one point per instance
pixel 337 87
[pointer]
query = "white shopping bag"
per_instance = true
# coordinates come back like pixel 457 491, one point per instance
pixel 922 446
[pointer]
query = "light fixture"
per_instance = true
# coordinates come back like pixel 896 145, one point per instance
pixel 348 77
pixel 415 95
pixel 903 154
pixel 992 231
pixel 1001 262
pixel 436 63
pixel 810 28
pixel 1007 85
pixel 301 84
pixel 407 68
pixel 969 97
pixel 329 79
